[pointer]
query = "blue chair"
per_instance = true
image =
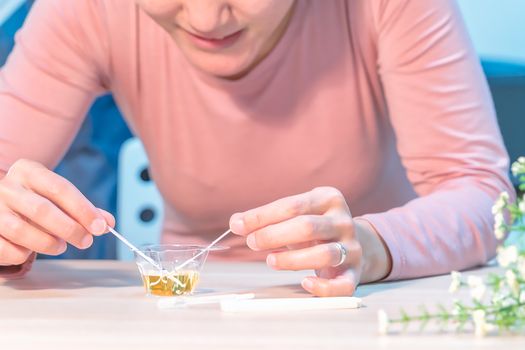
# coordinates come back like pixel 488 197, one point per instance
pixel 139 203
pixel 507 85
pixel 12 15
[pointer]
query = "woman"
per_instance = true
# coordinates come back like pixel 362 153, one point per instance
pixel 353 138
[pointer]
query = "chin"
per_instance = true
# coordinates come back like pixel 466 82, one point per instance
pixel 220 65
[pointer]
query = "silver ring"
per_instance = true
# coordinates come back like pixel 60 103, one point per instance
pixel 343 251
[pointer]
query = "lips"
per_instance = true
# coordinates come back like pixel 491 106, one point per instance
pixel 214 43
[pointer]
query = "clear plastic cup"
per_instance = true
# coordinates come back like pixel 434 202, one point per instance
pixel 169 281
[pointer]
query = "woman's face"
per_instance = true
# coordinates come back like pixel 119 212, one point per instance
pixel 225 38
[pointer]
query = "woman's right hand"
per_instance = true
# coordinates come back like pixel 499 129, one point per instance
pixel 41 211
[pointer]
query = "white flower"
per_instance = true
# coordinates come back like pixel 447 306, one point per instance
pixel 478 293
pixel 512 281
pixel 499 220
pixel 499 232
pixel 482 327
pixel 500 203
pixel 502 298
pixel 477 287
pixel 498 297
pixel 507 256
pixel 521 266
pixel 518 167
pixel 474 281
pixel 499 226
pixel 456 281
pixel 383 321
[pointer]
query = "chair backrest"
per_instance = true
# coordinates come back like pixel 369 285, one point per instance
pixel 139 204
pixel 9 7
pixel 507 85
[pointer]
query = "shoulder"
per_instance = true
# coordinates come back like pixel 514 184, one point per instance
pixel 85 14
pixel 409 12
pixel 357 17
pixel 74 31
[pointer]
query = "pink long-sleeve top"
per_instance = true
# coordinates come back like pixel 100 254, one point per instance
pixel 383 99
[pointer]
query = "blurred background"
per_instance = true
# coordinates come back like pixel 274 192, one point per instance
pixel 497 29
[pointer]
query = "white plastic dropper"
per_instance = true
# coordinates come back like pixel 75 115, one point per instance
pixel 134 249
pixel 204 250
pixel 152 262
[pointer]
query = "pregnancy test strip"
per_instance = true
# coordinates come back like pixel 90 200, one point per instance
pixel 290 304
pixel 170 303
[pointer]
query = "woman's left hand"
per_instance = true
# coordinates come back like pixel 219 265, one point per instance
pixel 319 233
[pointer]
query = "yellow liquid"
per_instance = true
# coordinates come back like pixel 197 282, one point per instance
pixel 173 284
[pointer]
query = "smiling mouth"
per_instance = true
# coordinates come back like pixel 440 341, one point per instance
pixel 214 43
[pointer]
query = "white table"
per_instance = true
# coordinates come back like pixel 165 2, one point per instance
pixel 101 305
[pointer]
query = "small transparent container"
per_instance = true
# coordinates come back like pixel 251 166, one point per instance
pixel 169 281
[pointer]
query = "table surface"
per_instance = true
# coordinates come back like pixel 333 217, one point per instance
pixel 101 304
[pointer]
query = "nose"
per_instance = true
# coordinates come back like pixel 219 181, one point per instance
pixel 206 16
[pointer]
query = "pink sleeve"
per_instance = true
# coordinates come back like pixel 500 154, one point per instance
pixel 48 83
pixel 447 136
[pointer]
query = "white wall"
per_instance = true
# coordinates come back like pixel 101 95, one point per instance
pixel 497 27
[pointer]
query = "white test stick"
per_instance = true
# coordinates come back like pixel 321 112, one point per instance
pixel 134 249
pixel 171 303
pixel 204 250
pixel 290 304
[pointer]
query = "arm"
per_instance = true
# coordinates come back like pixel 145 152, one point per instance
pixel 449 142
pixel 48 83
pixel 447 136
pixel 46 87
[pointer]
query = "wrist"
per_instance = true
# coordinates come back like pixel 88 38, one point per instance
pixel 377 261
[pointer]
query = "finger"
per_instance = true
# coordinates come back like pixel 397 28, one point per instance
pixel 108 217
pixel 315 202
pixel 313 258
pixel 300 229
pixel 12 254
pixel 64 195
pixel 21 233
pixel 343 285
pixel 48 217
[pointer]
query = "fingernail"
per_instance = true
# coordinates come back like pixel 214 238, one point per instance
pixel 307 284
pixel 250 241
pixel 62 247
pixel 86 242
pixel 98 227
pixel 270 260
pixel 237 226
